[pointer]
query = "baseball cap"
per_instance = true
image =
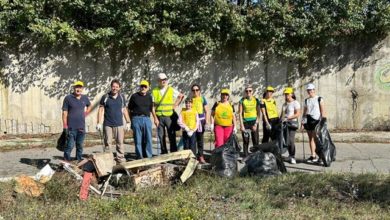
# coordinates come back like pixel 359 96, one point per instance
pixel 144 83
pixel 288 90
pixel 310 86
pixel 162 76
pixel 270 88
pixel 225 91
pixel 78 83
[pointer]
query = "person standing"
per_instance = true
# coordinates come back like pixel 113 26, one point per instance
pixel 74 109
pixel 199 103
pixel 270 115
pixel 166 99
pixel 249 115
pixel 313 113
pixel 110 119
pixel 290 113
pixel 190 123
pixel 223 119
pixel 140 106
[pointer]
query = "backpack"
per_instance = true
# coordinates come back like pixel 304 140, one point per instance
pixel 120 94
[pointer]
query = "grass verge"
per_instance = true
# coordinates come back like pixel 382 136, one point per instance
pixel 291 196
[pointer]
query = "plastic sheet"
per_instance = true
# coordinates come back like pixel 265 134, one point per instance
pixel 325 148
pixel 224 159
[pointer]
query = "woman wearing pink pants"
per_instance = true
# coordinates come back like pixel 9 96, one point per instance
pixel 223 119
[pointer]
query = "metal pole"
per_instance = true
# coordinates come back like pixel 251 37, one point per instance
pixel 303 145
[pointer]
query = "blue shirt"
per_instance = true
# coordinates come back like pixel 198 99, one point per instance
pixel 76 110
pixel 113 115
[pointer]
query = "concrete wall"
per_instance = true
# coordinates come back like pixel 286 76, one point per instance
pixel 353 78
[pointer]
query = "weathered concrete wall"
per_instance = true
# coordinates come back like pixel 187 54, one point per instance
pixel 353 79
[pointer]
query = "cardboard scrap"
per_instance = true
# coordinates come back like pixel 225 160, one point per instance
pixel 28 186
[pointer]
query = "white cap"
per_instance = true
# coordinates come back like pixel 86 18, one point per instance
pixel 310 86
pixel 162 76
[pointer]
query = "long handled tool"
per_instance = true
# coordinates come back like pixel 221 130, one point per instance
pixel 303 145
pixel 101 138
pixel 158 143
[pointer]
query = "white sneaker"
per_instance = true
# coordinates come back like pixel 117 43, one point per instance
pixel 292 160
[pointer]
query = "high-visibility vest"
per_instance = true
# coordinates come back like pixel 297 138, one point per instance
pixel 165 106
pixel 224 114
pixel 189 118
pixel 197 104
pixel 249 107
pixel 270 108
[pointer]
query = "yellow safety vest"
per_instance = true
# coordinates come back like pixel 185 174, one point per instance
pixel 249 107
pixel 224 114
pixel 197 104
pixel 270 108
pixel 165 106
pixel 189 118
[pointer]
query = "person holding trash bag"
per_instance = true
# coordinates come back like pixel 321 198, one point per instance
pixel 223 119
pixel 270 115
pixel 74 109
pixel 166 99
pixel 313 113
pixel 199 103
pixel 111 111
pixel 290 114
pixel 140 106
pixel 190 123
pixel 249 115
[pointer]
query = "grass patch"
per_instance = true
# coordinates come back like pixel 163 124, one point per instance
pixel 295 195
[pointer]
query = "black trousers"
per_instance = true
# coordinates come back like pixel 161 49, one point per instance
pixel 291 144
pixel 189 142
pixel 267 134
pixel 200 139
pixel 166 123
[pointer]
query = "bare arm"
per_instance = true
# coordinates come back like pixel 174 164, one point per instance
pixel 212 117
pixel 178 100
pixel 100 116
pixel 297 113
pixel 240 116
pixel 206 114
pixel 264 115
pixel 156 121
pixel 88 110
pixel 65 119
pixel 322 109
pixel 126 114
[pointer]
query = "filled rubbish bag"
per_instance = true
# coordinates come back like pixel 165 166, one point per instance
pixel 325 149
pixel 224 159
pixel 262 164
pixel 270 147
pixel 62 141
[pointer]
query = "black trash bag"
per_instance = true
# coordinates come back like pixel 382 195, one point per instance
pixel 325 149
pixel 262 164
pixel 224 159
pixel 271 147
pixel 283 139
pixel 62 141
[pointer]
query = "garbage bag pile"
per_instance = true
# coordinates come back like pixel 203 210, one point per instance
pixel 261 164
pixel 224 159
pixel 325 148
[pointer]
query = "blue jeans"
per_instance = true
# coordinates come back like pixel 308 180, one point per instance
pixel 142 132
pixel 75 135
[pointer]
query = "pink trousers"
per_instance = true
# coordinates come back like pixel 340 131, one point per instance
pixel 222 134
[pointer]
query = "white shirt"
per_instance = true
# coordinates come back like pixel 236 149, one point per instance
pixel 290 108
pixel 313 107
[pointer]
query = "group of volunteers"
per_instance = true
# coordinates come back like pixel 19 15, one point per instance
pixel 117 115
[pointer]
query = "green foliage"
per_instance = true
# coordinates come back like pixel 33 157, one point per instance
pixel 288 28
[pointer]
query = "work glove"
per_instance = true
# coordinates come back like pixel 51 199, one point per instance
pixel 128 126
pixel 66 131
pixel 211 127
pixel 323 121
pixel 234 130
pixel 268 126
pixel 190 133
pixel 99 127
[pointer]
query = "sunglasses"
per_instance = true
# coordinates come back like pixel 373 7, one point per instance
pixel 163 80
pixel 195 90
pixel 248 90
pixel 143 86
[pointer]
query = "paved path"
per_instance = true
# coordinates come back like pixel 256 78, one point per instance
pixel 351 157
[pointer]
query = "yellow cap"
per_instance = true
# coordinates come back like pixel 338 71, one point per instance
pixel 270 88
pixel 225 91
pixel 144 83
pixel 78 83
pixel 288 90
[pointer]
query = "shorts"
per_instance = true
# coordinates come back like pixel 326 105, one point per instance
pixel 249 124
pixel 311 123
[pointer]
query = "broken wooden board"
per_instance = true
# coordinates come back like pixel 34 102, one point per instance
pixel 103 163
pixel 180 155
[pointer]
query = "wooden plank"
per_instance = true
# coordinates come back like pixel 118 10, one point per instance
pixel 190 168
pixel 185 154
pixel 103 163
